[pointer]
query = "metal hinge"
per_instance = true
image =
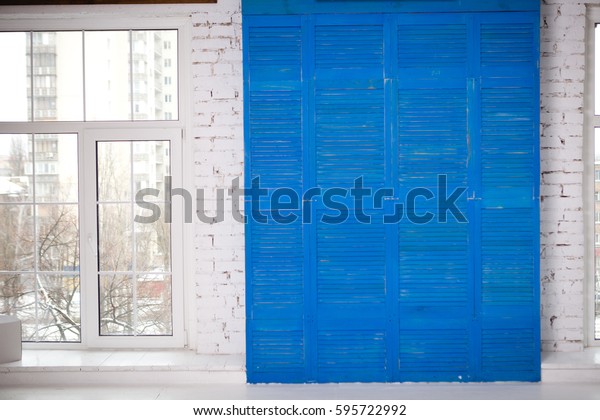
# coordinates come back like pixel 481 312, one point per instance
pixel 473 198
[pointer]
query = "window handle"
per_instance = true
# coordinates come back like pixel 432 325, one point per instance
pixel 92 245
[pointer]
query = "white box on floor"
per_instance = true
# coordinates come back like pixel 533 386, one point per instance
pixel 10 339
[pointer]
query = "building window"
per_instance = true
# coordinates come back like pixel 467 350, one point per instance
pixel 168 80
pixel 592 118
pixel 63 255
pixel 60 73
pixel 167 62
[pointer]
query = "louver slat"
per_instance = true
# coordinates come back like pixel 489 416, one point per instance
pixel 348 47
pixel 349 133
pixel 509 44
pixel 507 146
pixel 426 46
pixel 349 105
pixel 275 262
pixel 278 351
pixel 351 354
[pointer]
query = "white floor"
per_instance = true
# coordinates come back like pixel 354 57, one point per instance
pixel 403 392
pixel 174 375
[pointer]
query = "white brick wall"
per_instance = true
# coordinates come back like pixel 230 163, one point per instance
pixel 218 135
pixel 562 240
pixel 218 159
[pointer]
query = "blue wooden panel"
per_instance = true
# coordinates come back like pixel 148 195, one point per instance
pixel 349 142
pixel 351 354
pixel 343 46
pixel 349 133
pixel 283 7
pixel 433 258
pixel 351 269
pixel 277 351
pixel 508 210
pixel 398 100
pixel 275 261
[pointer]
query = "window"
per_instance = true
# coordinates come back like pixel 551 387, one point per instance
pixel 167 62
pixel 168 99
pixel 80 260
pixel 136 258
pixel 592 180
pixel 52 65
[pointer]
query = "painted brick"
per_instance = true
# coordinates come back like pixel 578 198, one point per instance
pixel 562 228
pixel 218 105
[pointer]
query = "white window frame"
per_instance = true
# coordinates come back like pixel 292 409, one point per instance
pixel 70 18
pixel 591 121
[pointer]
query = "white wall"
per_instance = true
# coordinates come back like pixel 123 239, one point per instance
pixel 219 156
pixel 218 159
pixel 562 240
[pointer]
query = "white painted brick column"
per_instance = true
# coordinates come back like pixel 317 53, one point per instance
pixel 562 228
pixel 218 160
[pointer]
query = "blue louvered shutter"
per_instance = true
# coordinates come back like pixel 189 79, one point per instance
pixel 509 216
pixel 402 102
pixel 275 251
pixel 433 258
pixel 349 143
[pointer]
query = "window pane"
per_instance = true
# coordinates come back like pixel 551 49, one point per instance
pixel 58 308
pixel 151 166
pixel 56 178
pixel 117 315
pixel 39 243
pixel 154 305
pixel 114 171
pixel 150 73
pixel 597 70
pixel 107 88
pixel 58 237
pixel 16 168
pixel 134 239
pixel 18 298
pixel 115 237
pixel 597 231
pixel 12 293
pixel 57 76
pixel 14 76
pixel 153 241
pixel 16 238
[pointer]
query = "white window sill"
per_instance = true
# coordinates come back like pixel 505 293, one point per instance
pixel 122 361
